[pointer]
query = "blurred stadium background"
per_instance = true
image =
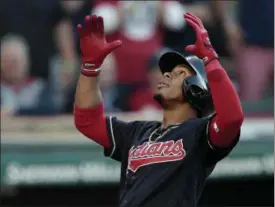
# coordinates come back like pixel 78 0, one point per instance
pixel 46 162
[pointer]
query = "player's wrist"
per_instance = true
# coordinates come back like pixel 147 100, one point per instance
pixel 210 57
pixel 90 71
pixel 208 60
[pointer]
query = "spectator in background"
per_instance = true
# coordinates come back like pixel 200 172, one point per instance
pixel 108 78
pixel 142 98
pixel 48 30
pixel 251 41
pixel 139 25
pixel 21 94
pixel 202 9
pixel 76 11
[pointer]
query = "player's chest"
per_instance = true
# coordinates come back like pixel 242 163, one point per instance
pixel 170 146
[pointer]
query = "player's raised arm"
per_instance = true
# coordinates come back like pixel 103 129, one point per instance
pixel 88 109
pixel 225 126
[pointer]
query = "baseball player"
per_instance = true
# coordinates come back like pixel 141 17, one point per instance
pixel 163 164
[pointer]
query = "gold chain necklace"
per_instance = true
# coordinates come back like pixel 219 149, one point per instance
pixel 160 135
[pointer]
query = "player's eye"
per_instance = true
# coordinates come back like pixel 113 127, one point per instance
pixel 181 73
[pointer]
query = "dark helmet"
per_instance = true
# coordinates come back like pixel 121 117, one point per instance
pixel 195 88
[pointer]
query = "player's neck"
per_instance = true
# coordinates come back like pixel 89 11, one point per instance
pixel 176 115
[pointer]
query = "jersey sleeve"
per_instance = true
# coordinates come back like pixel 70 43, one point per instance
pixel 121 135
pixel 212 153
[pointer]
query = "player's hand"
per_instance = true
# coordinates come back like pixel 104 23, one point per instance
pixel 202 47
pixel 93 45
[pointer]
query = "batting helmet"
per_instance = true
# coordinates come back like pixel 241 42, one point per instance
pixel 195 88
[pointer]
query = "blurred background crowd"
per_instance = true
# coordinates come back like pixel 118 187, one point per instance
pixel 46 162
pixel 40 57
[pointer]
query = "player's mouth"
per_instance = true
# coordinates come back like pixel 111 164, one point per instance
pixel 162 85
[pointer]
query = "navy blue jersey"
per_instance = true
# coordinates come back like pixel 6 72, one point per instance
pixel 163 169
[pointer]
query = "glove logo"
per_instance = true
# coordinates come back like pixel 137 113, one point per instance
pixel 207 44
pixel 88 65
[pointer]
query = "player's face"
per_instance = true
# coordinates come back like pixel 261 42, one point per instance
pixel 169 88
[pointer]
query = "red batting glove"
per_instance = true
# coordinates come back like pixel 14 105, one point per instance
pixel 202 47
pixel 93 45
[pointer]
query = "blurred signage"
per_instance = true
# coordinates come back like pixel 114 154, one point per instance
pixel 82 164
